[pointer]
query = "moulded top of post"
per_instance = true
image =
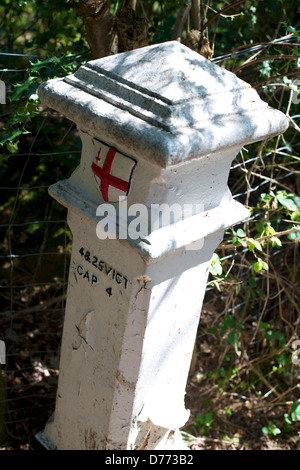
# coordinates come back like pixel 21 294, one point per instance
pixel 163 102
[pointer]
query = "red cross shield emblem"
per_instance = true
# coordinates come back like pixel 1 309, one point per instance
pixel 113 170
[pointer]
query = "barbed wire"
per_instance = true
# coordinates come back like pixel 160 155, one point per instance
pixel 255 48
pixel 241 51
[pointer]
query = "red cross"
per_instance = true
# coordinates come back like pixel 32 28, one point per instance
pixel 106 178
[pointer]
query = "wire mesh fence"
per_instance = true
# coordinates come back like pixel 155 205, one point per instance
pixel 34 262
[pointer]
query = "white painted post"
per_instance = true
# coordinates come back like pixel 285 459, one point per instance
pixel 159 125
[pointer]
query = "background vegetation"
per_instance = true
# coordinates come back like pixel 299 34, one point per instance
pixel 243 389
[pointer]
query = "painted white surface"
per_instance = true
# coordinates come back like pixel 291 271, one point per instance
pixel 169 123
pixel 196 107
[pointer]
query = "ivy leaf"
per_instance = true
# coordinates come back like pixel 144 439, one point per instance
pixel 12 136
pixel 12 148
pixel 286 200
pixel 26 89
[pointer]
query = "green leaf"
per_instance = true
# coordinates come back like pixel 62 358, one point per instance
pixel 295 216
pixel 260 293
pixel 32 228
pixel 294 235
pixel 286 200
pixel 265 198
pixel 26 89
pixel 12 135
pixel 271 429
pixel 295 411
pixel 291 29
pixel 12 148
pixel 216 284
pixel 287 419
pixel 228 322
pixel 276 242
pixel 212 331
pixel 260 264
pixel 235 241
pixel 265 265
pixel 274 429
pixel 269 229
pixel 240 233
pixel 232 338
pixel 296 200
pixel 216 267
pixel 265 430
pixel 254 244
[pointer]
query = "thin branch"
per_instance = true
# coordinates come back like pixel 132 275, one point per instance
pixel 264 380
pixel 264 238
pixel 181 19
pixel 228 7
pixel 262 59
pixel 272 180
pixel 248 48
pixel 296 72
pixel 283 394
pixel 275 42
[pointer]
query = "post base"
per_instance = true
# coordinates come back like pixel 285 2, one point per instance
pixel 40 442
pixel 172 440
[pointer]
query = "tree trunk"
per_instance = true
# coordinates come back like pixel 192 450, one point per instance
pixel 181 19
pixel 196 14
pixel 100 35
pixel 132 30
pixel 99 25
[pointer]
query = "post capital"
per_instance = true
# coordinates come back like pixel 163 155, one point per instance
pixel 163 102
